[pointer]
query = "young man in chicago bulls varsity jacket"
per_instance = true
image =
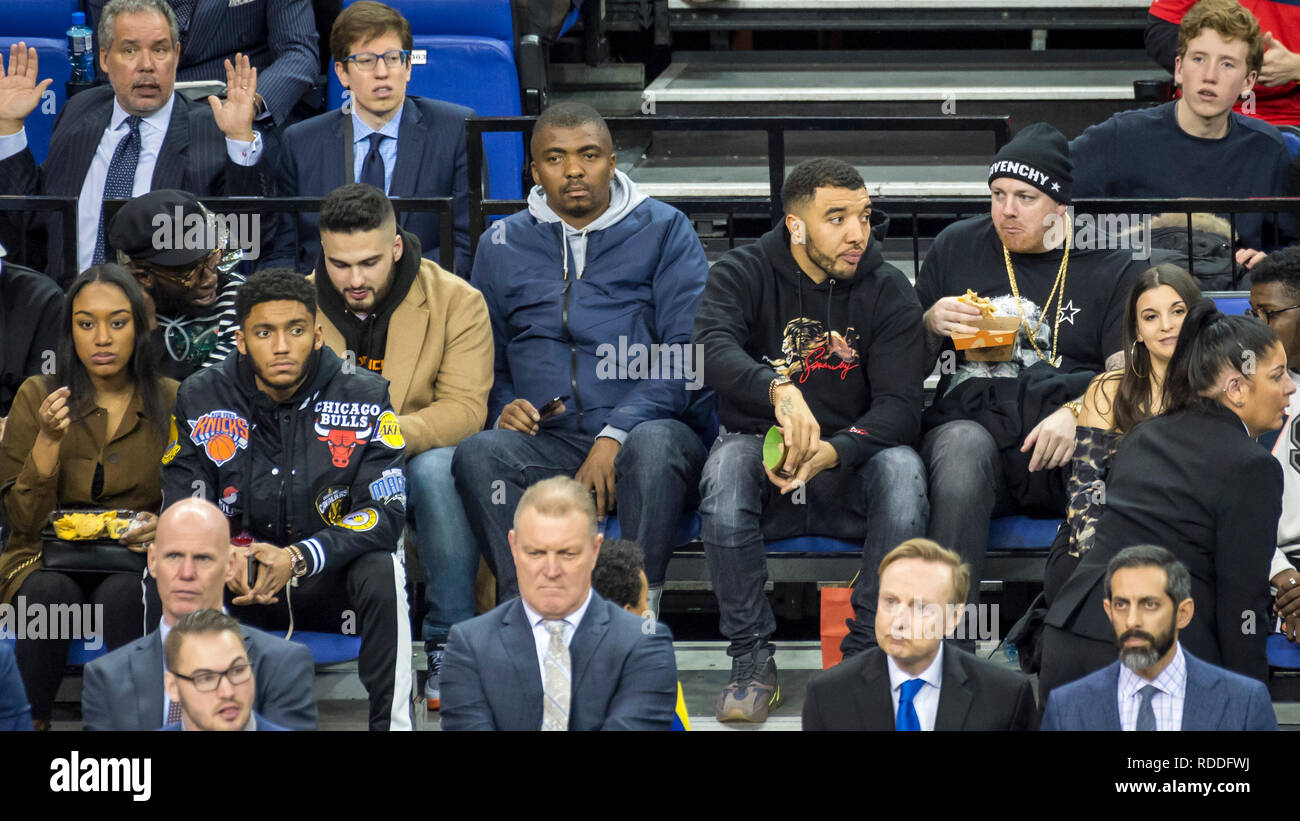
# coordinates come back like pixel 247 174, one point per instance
pixel 305 458
pixel 811 330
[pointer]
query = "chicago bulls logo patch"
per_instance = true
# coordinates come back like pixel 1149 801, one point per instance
pixel 221 434
pixel 343 426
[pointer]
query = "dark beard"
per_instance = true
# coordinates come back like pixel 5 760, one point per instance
pixel 1141 658
pixel 824 262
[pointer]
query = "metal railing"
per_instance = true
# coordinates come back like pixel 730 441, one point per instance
pixel 775 128
pixel 65 207
pixel 442 206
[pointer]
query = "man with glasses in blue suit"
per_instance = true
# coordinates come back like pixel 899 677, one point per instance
pixel 404 146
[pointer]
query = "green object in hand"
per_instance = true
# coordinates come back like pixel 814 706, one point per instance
pixel 773 449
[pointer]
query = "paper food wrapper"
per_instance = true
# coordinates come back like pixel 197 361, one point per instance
pixel 995 341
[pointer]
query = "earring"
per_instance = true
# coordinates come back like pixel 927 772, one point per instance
pixel 1132 364
pixel 1240 404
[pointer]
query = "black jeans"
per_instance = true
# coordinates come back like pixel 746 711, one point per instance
pixel 366 596
pixel 109 606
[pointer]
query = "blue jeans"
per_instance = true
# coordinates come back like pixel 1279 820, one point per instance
pixel 447 548
pixel 656 474
pixel 882 503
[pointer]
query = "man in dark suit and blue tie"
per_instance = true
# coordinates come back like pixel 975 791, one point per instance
pixel 559 657
pixel 1156 684
pixel 216 690
pixel 404 146
pixel 127 138
pixel 913 679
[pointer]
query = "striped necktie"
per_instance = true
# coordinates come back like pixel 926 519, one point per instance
pixel 120 183
pixel 555 684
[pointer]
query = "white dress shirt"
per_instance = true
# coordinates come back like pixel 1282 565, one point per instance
pixel 152 131
pixel 542 637
pixel 1167 704
pixel 926 701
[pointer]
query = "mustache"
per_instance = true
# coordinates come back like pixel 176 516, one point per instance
pixel 1137 634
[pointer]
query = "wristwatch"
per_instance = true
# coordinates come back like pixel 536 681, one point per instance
pixel 771 388
pixel 298 561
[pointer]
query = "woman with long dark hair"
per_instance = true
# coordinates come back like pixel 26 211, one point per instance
pixel 1116 401
pixel 1192 480
pixel 89 435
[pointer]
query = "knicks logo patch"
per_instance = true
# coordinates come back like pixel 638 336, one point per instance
pixel 173 443
pixel 362 520
pixel 221 433
pixel 389 432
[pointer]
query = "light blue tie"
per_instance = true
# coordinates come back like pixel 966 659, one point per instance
pixel 907 718
pixel 120 183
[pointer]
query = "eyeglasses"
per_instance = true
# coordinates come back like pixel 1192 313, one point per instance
pixel 1267 316
pixel 367 60
pixel 182 277
pixel 205 681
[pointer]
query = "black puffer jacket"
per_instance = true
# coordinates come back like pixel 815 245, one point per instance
pixel 322 471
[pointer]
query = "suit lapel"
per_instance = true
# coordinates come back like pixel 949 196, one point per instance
pixel 147 672
pixel 1108 700
pixel 588 636
pixel 411 140
pixel 335 174
pixel 84 143
pixel 874 703
pixel 956 692
pixel 1204 701
pixel 521 649
pixel 401 353
pixel 169 171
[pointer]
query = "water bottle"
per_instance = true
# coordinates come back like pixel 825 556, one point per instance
pixel 80 52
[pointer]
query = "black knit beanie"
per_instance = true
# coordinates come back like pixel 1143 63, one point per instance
pixel 1040 156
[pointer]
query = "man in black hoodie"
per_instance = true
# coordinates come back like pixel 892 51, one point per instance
pixel 811 329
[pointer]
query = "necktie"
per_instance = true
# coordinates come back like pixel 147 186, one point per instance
pixel 120 183
pixel 173 712
pixel 372 170
pixel 1146 716
pixel 555 684
pixel 907 718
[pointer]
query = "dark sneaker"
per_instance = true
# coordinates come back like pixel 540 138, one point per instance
pixel 753 691
pixel 432 684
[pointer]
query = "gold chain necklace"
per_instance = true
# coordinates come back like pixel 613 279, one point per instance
pixel 1057 292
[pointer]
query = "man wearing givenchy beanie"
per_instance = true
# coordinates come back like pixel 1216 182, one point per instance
pixel 998 438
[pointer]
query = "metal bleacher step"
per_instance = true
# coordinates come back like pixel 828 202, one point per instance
pixel 1072 89
pixel 881 14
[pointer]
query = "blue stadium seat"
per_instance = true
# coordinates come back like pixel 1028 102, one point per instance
pixel 326 648
pixel 1282 654
pixel 1005 533
pixel 1291 135
pixel 470 18
pixel 1231 303
pixel 53 58
pixel 78 651
pixel 37 18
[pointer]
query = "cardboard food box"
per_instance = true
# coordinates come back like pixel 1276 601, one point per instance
pixel 995 341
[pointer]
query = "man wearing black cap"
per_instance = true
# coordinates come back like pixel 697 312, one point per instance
pixel 999 433
pixel 188 274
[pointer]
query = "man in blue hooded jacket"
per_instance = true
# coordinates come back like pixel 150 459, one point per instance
pixel 592 294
